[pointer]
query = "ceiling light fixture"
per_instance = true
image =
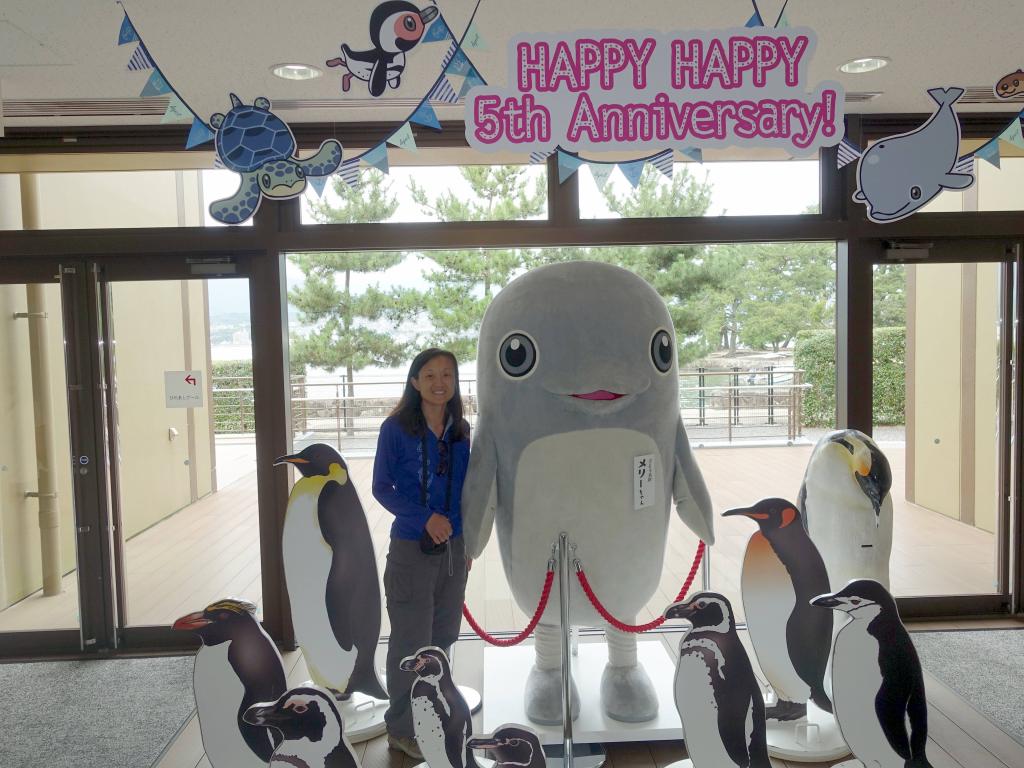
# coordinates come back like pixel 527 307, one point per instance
pixel 296 71
pixel 865 64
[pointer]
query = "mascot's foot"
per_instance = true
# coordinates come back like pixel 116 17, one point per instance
pixel 786 711
pixel 628 694
pixel 544 697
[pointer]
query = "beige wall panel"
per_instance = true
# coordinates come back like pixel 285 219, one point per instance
pixel 203 417
pixel 986 403
pixel 92 200
pixel 999 189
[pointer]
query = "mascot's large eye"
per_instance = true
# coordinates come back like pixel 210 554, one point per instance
pixel 517 355
pixel 915 192
pixel 661 351
pixel 409 22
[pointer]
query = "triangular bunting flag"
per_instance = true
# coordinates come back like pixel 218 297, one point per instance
pixel 472 79
pixel 350 173
pixel 473 38
pixel 694 154
pixel 436 32
pixel 846 154
pixel 403 138
pixel 156 85
pixel 456 82
pixel 964 164
pixel 452 48
pixel 1013 133
pixel 567 166
pixel 633 171
pixel 199 133
pixel 540 157
pixel 755 20
pixel 128 33
pixel 783 22
pixel 140 60
pixel 176 111
pixel 663 162
pixel 601 173
pixel 989 152
pixel 319 184
pixel 425 115
pixel 459 65
pixel 443 92
pixel 377 157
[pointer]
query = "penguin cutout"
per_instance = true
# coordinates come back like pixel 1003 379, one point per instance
pixel 311 727
pixel 396 27
pixel 717 695
pixel 877 684
pixel 331 572
pixel 512 746
pixel 782 571
pixel 846 507
pixel 440 716
pixel 237 666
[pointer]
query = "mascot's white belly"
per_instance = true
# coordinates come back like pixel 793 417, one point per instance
pixel 219 695
pixel 307 565
pixel 582 483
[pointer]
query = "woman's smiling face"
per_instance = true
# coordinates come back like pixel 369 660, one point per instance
pixel 436 380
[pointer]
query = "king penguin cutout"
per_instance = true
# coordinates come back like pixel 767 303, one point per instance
pixel 331 572
pixel 237 666
pixel 877 684
pixel 718 698
pixel 782 571
pixel 311 727
pixel 441 720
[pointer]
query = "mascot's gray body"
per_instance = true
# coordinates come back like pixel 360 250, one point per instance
pixel 544 461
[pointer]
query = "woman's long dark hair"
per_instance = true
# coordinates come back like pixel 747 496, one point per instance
pixel 409 410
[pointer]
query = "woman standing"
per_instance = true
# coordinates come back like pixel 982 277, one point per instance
pixel 422 455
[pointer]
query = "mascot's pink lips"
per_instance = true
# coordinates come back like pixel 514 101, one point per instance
pixel 599 394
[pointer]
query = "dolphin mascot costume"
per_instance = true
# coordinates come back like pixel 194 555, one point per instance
pixel 578 388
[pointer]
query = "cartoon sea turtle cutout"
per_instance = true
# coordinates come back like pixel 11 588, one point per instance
pixel 254 142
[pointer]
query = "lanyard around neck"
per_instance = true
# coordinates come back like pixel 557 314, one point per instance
pixel 426 469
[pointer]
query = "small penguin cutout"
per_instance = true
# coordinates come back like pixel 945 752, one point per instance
pixel 877 683
pixel 237 666
pixel 440 716
pixel 900 174
pixel 259 146
pixel 396 27
pixel 718 698
pixel 512 746
pixel 310 726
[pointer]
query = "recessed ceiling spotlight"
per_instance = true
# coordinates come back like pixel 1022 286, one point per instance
pixel 866 64
pixel 296 71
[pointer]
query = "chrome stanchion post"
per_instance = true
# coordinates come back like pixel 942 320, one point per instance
pixel 705 569
pixel 563 595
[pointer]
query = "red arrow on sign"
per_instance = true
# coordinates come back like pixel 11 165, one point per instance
pixel 190 379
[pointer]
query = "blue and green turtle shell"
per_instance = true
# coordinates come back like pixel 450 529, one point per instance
pixel 250 137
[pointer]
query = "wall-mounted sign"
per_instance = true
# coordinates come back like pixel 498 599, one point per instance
pixel 652 90
pixel 183 389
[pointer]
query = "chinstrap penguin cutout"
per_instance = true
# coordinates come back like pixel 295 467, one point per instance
pixel 718 697
pixel 877 684
pixel 512 746
pixel 782 571
pixel 331 573
pixel 440 717
pixel 578 387
pixel 237 666
pixel 311 729
pixel 846 507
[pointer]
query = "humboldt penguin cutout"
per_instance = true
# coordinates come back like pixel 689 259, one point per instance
pixel 237 666
pixel 511 746
pixel 310 728
pixel 578 387
pixel 331 574
pixel 441 720
pixel 877 684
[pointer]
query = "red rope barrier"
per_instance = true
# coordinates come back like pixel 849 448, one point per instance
pixel 637 628
pixel 544 595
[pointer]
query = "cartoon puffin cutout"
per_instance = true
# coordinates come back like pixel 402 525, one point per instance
pixel 237 666
pixel 311 727
pixel 512 746
pixel 877 684
pixel 396 27
pixel 331 574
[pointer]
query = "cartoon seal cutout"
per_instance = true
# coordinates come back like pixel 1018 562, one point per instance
pixel 254 142
pixel 899 174
pixel 578 384
pixel 1010 85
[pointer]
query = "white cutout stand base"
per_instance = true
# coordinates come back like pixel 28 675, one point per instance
pixel 506 670
pixel 855 763
pixel 687 763
pixel 472 697
pixel 363 717
pixel 814 739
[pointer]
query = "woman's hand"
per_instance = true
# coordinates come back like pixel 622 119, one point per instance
pixel 440 528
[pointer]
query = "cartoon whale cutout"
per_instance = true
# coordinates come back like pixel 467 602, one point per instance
pixel 900 174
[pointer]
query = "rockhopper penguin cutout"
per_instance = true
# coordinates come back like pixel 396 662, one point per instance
pixel 237 666
pixel 579 431
pixel 311 729
pixel 395 29
pixel 846 507
pixel 877 684
pixel 331 573
pixel 440 716
pixel 782 572
pixel 717 695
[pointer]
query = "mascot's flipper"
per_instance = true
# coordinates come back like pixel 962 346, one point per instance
pixel 478 494
pixel 241 205
pixel 693 503
pixel 325 161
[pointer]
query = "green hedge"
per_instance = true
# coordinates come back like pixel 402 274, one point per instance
pixel 815 353
pixel 233 411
